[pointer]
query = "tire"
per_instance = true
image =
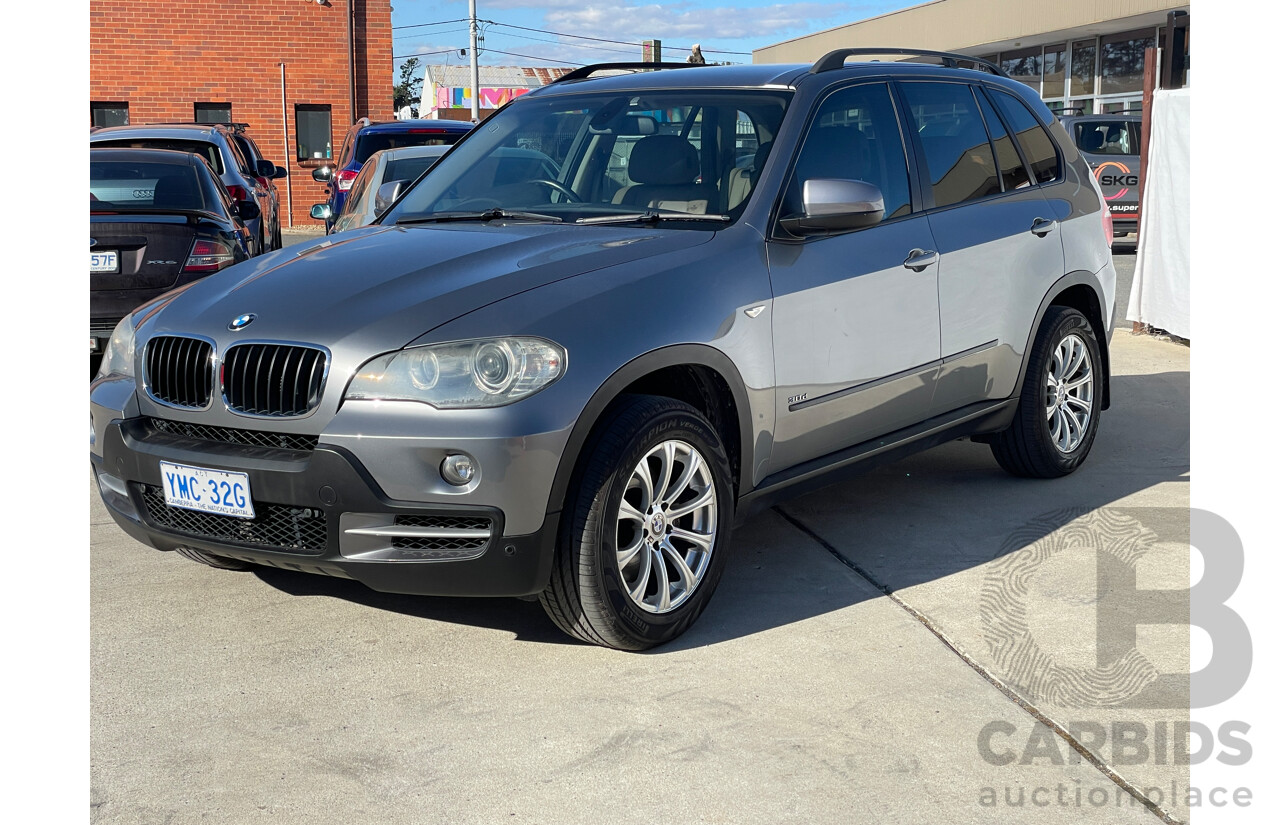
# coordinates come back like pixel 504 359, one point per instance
pixel 220 562
pixel 275 238
pixel 590 595
pixel 1053 429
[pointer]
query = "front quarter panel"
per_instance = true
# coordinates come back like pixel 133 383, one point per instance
pixel 615 321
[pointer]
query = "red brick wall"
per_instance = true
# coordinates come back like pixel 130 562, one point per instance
pixel 164 56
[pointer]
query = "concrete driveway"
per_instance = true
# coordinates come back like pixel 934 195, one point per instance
pixel 850 667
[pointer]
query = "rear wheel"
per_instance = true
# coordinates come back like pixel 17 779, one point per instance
pixel 220 562
pixel 1057 417
pixel 647 528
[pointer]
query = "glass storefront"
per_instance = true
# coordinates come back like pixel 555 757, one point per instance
pixel 1092 76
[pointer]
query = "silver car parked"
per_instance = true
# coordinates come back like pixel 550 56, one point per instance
pixel 383 177
pixel 569 379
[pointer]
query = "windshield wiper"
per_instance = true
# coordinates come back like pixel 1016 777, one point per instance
pixel 494 214
pixel 652 217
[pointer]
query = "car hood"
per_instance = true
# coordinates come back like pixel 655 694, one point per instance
pixel 378 288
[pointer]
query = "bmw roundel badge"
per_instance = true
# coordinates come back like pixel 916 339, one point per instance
pixel 241 322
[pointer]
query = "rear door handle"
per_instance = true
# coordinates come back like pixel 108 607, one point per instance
pixel 918 259
pixel 1040 227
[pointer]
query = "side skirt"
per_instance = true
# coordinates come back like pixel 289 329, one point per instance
pixel 974 419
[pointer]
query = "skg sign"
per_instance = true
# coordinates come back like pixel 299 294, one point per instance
pixel 1121 675
pixel 1122 177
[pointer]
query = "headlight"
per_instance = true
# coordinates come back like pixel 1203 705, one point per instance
pixel 117 358
pixel 489 372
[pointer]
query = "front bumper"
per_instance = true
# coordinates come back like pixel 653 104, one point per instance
pixel 319 511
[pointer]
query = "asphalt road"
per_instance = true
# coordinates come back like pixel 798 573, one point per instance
pixel 845 671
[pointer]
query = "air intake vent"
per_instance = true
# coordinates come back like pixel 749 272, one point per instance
pixel 276 380
pixel 180 371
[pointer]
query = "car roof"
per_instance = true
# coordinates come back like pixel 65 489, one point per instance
pixel 173 131
pixel 412 152
pixel 389 126
pixel 1111 118
pixel 169 156
pixel 755 76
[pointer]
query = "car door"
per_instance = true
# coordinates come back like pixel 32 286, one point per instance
pixel 856 337
pixel 996 233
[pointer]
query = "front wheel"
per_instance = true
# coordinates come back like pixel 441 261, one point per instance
pixel 647 528
pixel 1057 417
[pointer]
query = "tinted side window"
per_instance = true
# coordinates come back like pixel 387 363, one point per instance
pixel 1012 172
pixel 961 165
pixel 1032 137
pixel 855 137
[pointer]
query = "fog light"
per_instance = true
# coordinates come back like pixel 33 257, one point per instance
pixel 458 470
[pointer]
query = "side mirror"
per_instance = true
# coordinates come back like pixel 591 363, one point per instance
pixel 246 210
pixel 321 211
pixel 266 169
pixel 323 175
pixel 387 194
pixel 833 204
pixel 280 172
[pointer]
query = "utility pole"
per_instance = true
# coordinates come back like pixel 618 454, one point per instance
pixel 475 67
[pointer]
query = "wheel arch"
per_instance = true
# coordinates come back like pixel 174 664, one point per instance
pixel 1081 291
pixel 697 374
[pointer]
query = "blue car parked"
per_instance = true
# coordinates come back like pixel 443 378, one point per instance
pixel 366 137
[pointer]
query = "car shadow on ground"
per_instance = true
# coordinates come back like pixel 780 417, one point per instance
pixel 918 520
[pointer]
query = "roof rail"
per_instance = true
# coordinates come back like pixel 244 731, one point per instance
pixel 587 71
pixel 835 59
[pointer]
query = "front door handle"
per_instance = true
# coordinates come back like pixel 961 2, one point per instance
pixel 1040 227
pixel 918 259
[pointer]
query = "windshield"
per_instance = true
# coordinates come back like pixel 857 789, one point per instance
pixel 1101 137
pixel 208 151
pixel 367 144
pixel 691 152
pixel 120 185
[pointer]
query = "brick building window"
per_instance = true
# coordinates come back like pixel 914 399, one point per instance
pixel 108 114
pixel 213 113
pixel 314 131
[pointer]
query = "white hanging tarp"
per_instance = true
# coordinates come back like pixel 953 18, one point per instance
pixel 1161 294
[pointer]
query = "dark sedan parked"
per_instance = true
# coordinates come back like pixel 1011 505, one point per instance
pixel 158 219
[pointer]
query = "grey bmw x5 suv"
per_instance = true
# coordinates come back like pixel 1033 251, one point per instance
pixel 716 287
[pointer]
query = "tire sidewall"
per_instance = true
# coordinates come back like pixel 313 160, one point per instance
pixel 1070 322
pixel 656 628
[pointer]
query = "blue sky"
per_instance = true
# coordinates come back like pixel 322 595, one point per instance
pixel 726 30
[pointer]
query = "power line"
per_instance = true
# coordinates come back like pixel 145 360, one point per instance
pixel 421 54
pixel 530 57
pixel 430 34
pixel 559 43
pixel 424 25
pixel 605 40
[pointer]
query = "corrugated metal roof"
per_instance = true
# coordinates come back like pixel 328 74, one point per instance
pixel 498 77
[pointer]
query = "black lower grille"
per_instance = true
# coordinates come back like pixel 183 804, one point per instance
pixel 273 379
pixel 180 371
pixel 301 530
pixel 231 435
pixel 442 542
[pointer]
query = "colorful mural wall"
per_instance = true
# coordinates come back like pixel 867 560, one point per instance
pixel 457 97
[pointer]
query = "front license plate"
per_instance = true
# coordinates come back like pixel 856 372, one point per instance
pixel 209 491
pixel 104 261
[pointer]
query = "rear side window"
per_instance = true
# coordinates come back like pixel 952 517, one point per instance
pixel 1100 137
pixel 855 137
pixel 205 150
pixel 951 133
pixel 1032 137
pixel 1012 173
